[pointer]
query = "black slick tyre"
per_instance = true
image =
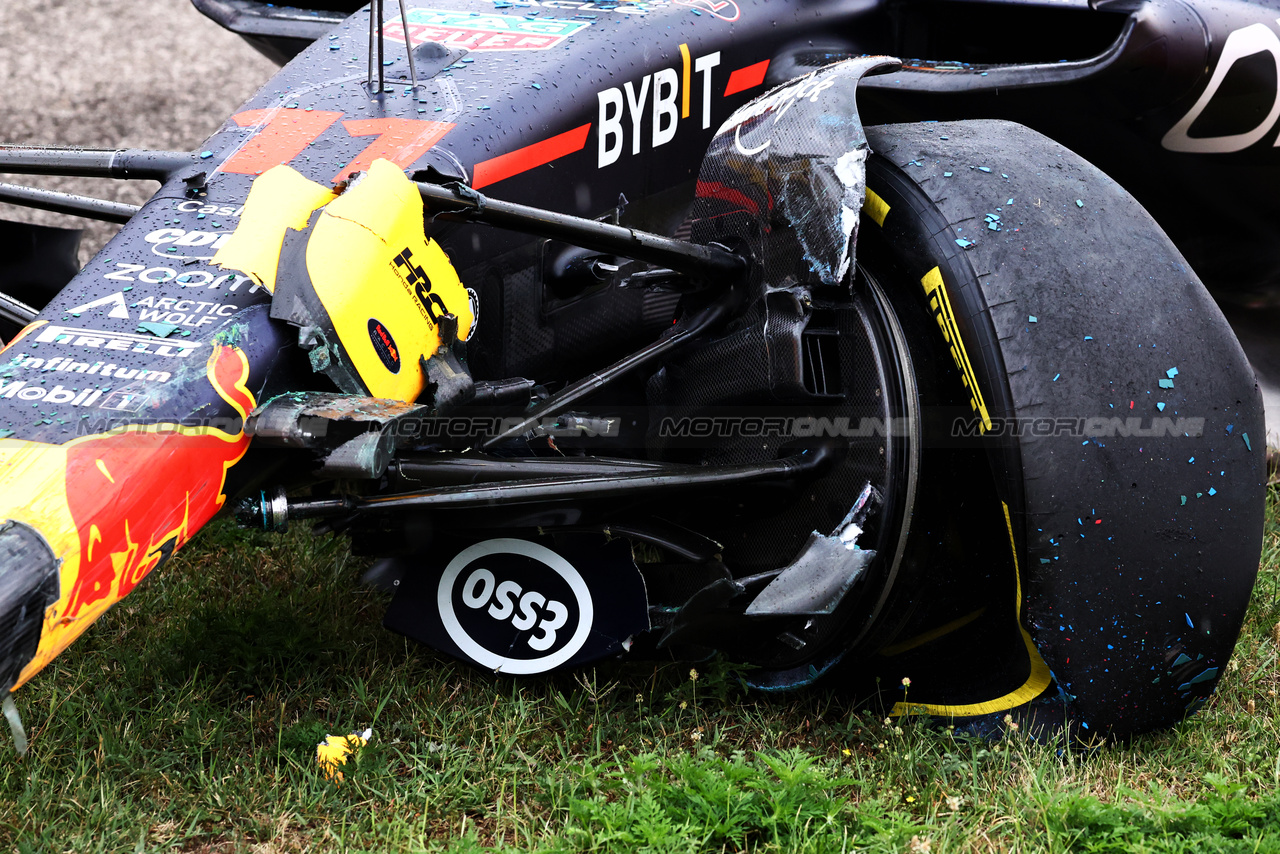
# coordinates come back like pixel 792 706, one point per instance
pixel 1121 424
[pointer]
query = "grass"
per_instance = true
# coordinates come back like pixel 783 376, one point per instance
pixel 187 719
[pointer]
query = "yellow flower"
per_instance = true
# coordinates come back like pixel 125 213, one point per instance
pixel 847 752
pixel 693 675
pixel 906 682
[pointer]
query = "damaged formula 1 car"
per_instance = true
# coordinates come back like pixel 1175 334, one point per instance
pixel 686 327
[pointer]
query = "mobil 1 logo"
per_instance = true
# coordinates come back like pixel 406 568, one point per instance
pixel 514 606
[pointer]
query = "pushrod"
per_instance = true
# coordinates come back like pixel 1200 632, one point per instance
pixel 693 259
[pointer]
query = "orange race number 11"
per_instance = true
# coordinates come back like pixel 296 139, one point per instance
pixel 284 133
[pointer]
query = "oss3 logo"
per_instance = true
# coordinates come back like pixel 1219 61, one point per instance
pixel 514 606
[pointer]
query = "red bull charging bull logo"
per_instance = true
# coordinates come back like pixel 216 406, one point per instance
pixel 115 506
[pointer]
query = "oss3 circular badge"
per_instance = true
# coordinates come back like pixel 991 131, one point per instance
pixel 514 606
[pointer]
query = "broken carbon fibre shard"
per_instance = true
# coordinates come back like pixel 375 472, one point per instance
pixel 799 153
pixel 825 570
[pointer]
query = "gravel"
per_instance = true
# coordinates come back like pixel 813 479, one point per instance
pixel 115 74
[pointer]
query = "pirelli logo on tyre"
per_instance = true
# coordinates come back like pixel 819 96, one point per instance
pixel 940 306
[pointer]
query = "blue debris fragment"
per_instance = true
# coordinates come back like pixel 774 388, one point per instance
pixel 1245 436
pixel 1166 383
pixel 1079 203
pixel 1181 660
pixel 984 169
pixel 964 244
pixel 163 330
pixel 946 174
pixel 1213 491
pixel 1160 406
pixel 1031 318
pixel 1171 373
pixel 1189 623
pixel 1206 676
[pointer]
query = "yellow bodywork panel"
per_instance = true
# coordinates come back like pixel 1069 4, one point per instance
pixel 279 199
pixel 370 265
pixel 382 283
pixel 332 753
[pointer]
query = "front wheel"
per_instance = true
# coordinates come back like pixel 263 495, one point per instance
pixel 1090 423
